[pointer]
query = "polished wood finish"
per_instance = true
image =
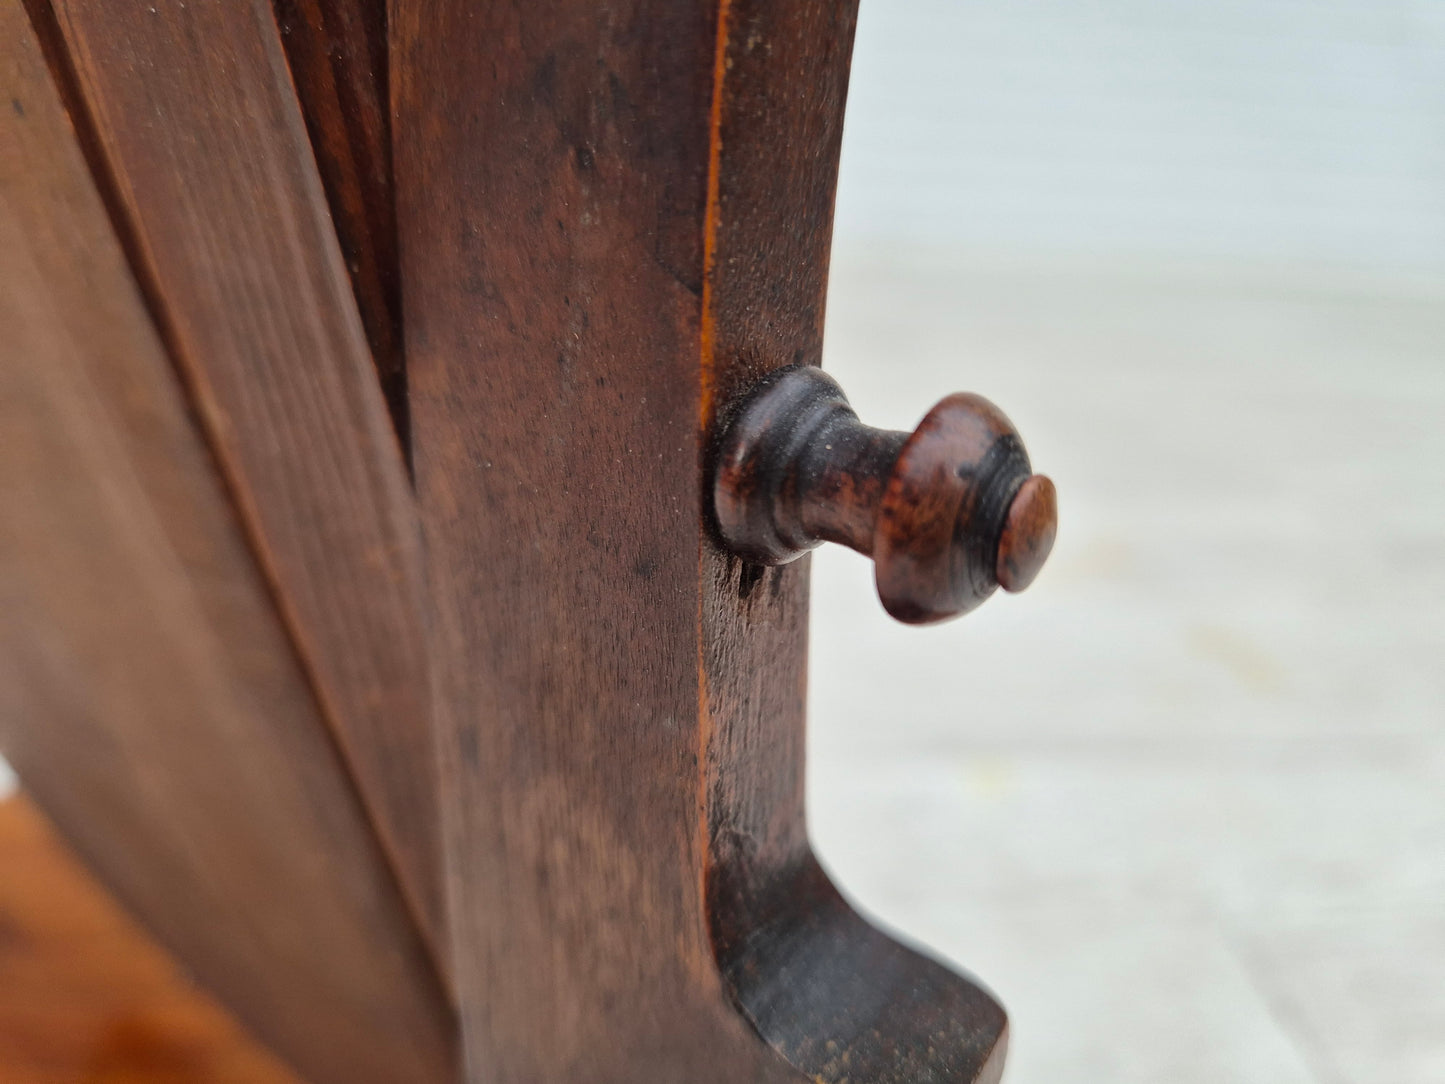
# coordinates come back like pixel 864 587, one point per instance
pixel 86 996
pixel 613 219
pixel 948 513
pixel 196 120
pixel 1028 534
pixel 151 697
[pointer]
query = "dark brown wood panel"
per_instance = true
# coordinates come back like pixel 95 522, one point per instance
pixel 612 218
pixel 196 118
pixel 150 696
pixel 86 996
pixel 551 169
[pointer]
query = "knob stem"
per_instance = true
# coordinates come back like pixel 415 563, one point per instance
pixel 948 512
pixel 840 476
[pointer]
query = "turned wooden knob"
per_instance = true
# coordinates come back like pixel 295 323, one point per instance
pixel 948 512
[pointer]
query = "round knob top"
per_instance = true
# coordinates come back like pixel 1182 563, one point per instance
pixel 1028 533
pixel 949 512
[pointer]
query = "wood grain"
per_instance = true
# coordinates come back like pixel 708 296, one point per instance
pixel 337 53
pixel 150 696
pixel 612 219
pixel 551 164
pixel 85 995
pixel 194 112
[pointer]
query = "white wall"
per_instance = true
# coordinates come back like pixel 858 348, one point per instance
pixel 1275 131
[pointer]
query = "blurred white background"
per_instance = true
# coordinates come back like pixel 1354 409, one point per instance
pixel 1182 805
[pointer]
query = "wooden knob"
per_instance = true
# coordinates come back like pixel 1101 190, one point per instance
pixel 948 512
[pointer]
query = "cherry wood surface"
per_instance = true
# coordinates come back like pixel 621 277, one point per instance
pixel 86 997
pixel 612 220
pixel 199 132
pixel 151 697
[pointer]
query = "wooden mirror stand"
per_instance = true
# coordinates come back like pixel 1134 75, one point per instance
pixel 367 625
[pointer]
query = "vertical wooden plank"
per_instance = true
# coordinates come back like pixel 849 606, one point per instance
pixel 150 696
pixel 611 218
pixel 85 995
pixel 551 172
pixel 195 115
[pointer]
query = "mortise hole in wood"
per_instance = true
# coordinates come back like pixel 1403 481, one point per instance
pixel 337 53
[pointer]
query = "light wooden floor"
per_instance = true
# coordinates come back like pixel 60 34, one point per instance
pixel 1183 804
pixel 85 996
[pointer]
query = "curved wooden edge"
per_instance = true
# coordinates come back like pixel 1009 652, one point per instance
pixel 842 1000
pixel 836 997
